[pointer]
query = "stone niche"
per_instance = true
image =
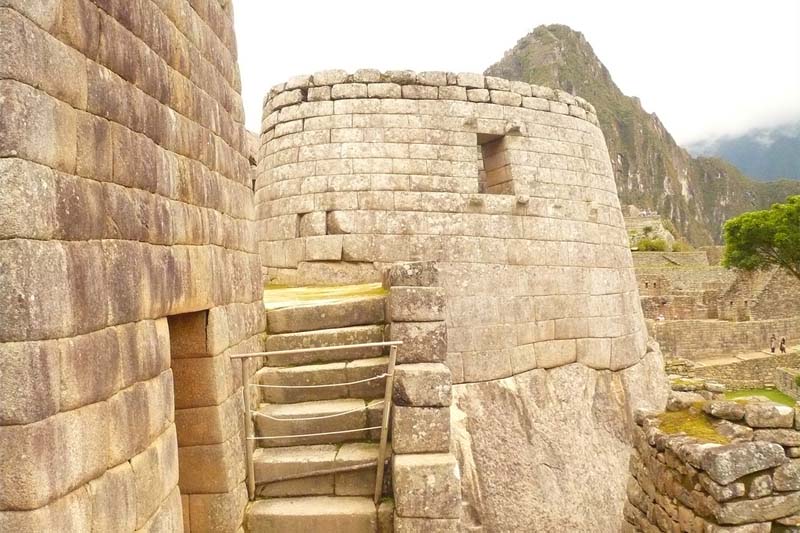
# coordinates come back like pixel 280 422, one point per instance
pixel 508 187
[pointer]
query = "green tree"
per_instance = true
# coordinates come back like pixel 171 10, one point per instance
pixel 762 239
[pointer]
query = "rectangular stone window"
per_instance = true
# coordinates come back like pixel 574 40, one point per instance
pixel 493 166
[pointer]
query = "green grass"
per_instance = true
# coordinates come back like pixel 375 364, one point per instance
pixel 277 296
pixel 771 394
pixel 692 422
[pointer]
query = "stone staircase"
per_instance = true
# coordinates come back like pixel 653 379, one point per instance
pixel 339 499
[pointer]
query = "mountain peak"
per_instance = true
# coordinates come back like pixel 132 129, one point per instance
pixel 651 170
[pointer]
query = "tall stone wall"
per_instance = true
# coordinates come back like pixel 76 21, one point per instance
pixel 694 339
pixel 546 339
pixel 124 202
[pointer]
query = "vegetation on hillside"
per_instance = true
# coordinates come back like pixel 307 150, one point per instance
pixel 764 239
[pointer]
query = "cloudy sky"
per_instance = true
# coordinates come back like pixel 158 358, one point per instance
pixel 706 67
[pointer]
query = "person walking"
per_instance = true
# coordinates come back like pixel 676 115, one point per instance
pixel 783 345
pixel 772 343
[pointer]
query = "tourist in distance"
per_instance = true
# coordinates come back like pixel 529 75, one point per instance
pixel 772 343
pixel 783 345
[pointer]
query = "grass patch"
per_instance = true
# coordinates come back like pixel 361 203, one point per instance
pixel 277 296
pixel 693 423
pixel 770 394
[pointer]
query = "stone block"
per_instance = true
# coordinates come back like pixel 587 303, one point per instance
pixel 679 401
pixel 35 303
pixel 31 185
pixel 426 525
pixel 348 90
pixel 420 92
pixel 417 274
pixel 384 90
pixel 367 75
pixel 486 365
pixel 209 425
pixel 728 463
pixel 787 476
pixel 551 354
pixel 218 513
pixel 415 304
pixel 72 512
pixel 768 415
pixel 213 467
pixel 505 98
pixel 313 224
pixel 29 381
pixel 36 474
pixel 423 342
pixel 386 517
pixel 784 437
pixel 90 368
pixel 472 80
pixel 727 410
pixel 478 95
pixel 750 511
pixel 324 248
pixel 155 473
pixel 202 381
pixel 421 429
pixel 168 516
pixel 329 77
pixel 426 485
pixel 452 92
pixel 422 385
pixel 113 499
pixel 594 353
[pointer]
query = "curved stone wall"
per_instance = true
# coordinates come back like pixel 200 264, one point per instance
pixel 128 267
pixel 383 167
pixel 508 187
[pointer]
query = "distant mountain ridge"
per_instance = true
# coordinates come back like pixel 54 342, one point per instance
pixel 651 170
pixel 763 154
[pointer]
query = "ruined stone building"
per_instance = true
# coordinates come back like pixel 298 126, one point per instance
pixel 136 241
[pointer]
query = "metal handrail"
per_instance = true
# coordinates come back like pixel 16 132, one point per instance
pixel 384 427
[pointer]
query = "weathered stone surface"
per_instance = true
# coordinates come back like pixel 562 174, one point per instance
pixel 422 385
pixel 425 525
pixel 418 274
pixel 426 485
pixel 423 342
pixel 415 304
pixel 155 475
pixel 72 512
pixel 760 486
pixel 211 467
pixel 29 381
pixel 787 477
pixel 768 415
pixel 721 493
pixel 733 431
pixel 784 437
pixel 318 513
pixel 114 499
pixel 353 312
pixel 218 513
pixel 556 424
pixel 678 401
pixel 728 410
pixel 748 511
pixel 728 463
pixel 421 429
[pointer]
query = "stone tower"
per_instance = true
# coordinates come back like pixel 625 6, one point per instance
pixel 508 187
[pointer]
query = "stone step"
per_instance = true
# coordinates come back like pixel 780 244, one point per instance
pixel 338 314
pixel 323 374
pixel 312 417
pixel 313 514
pixel 273 464
pixel 325 337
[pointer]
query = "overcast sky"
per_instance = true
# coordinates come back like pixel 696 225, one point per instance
pixel 706 67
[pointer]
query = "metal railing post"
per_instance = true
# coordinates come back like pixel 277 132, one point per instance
pixel 248 432
pixel 387 408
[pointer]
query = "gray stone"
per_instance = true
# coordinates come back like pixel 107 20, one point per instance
pixel 724 409
pixel 426 525
pixel 787 477
pixel 422 385
pixel 415 304
pixel 760 486
pixel 418 274
pixel 721 493
pixel 784 437
pixel 725 464
pixel 678 401
pixel 423 342
pixel 426 485
pixel 421 429
pixel 768 415
pixel 748 511
pixel 733 431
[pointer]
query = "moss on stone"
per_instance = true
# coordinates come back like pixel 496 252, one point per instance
pixel 770 394
pixel 691 422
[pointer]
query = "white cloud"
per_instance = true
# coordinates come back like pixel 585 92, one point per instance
pixel 707 68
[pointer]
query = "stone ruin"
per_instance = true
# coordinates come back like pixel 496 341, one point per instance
pixel 134 252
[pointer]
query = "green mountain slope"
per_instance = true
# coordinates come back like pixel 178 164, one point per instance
pixel 652 171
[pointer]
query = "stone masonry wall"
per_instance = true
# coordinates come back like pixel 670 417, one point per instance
pixel 755 373
pixel 508 187
pixel 124 199
pixel 695 339
pixel 747 482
